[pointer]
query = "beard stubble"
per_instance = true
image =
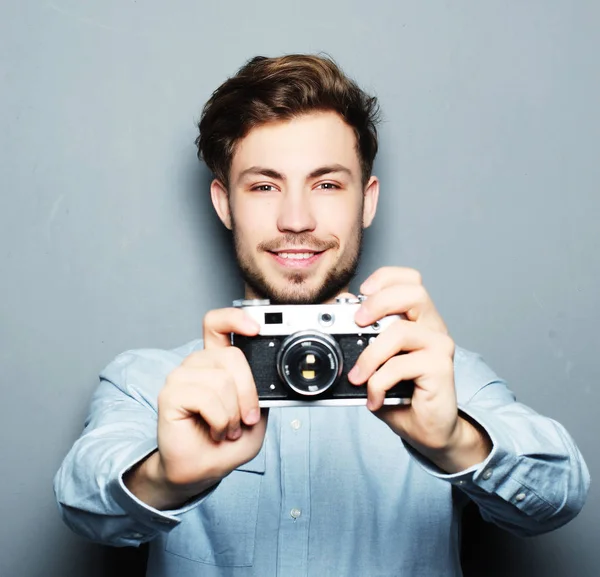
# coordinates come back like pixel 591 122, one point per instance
pixel 334 282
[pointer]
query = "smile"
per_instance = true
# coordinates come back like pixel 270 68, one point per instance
pixel 296 259
pixel 296 255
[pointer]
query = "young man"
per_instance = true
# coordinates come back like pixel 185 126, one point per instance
pixel 176 451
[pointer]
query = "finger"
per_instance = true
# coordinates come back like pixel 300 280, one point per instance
pixel 185 398
pixel 218 414
pixel 183 381
pixel 218 325
pixel 418 366
pixel 411 300
pixel 390 275
pixel 392 372
pixel 233 361
pixel 401 335
pixel 227 391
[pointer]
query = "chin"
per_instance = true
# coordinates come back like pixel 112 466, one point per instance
pixel 296 288
pixel 291 296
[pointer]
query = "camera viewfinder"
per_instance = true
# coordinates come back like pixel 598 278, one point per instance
pixel 273 318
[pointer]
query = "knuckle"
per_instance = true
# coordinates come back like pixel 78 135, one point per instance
pixel 445 366
pixel 210 319
pixel 384 271
pixel 446 344
pixel 175 377
pixel 415 276
pixel 375 384
pixel 219 421
pixel 450 366
pixel 422 296
pixel 451 345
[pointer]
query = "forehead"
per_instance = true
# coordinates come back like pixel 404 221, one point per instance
pixel 298 145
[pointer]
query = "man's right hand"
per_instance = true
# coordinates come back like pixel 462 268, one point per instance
pixel 209 422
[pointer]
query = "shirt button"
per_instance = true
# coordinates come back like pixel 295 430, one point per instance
pixel 487 474
pixel 520 497
pixel 295 513
pixel 296 424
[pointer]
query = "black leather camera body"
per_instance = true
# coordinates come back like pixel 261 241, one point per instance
pixel 303 353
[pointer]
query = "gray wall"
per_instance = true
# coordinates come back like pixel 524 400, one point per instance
pixel 490 171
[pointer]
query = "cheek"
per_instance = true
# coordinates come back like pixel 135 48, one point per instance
pixel 255 219
pixel 339 218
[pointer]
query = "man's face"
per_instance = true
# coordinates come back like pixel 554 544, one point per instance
pixel 297 208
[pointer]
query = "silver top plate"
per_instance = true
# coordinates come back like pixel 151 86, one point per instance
pixel 335 319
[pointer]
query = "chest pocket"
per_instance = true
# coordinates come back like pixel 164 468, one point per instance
pixel 221 530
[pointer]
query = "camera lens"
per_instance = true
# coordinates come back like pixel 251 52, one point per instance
pixel 309 362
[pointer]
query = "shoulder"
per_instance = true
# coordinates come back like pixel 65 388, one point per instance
pixel 146 368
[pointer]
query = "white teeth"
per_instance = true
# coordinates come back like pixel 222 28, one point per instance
pixel 295 255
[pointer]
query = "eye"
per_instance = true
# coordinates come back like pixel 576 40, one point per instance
pixel 328 186
pixel 263 188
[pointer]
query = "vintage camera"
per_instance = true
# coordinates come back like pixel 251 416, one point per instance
pixel 303 353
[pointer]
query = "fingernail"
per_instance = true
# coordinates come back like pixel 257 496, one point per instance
pixel 353 375
pixel 252 416
pixel 236 434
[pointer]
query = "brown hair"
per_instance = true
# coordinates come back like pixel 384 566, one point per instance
pixel 271 89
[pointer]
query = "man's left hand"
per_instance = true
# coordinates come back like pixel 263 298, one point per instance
pixel 431 423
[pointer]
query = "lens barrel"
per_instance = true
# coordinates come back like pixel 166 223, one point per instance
pixel 309 362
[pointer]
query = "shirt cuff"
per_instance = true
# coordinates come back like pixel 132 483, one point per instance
pixel 498 474
pixel 154 519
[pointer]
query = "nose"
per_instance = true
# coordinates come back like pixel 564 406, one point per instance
pixel 295 213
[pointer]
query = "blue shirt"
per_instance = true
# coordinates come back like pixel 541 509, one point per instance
pixel 332 492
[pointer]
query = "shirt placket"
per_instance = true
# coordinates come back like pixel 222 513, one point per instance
pixel 295 483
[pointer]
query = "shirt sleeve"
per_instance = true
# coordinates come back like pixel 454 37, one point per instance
pixel 120 431
pixel 535 479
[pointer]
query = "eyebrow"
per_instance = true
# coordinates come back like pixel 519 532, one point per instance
pixel 271 173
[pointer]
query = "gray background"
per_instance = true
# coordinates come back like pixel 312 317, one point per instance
pixel 490 173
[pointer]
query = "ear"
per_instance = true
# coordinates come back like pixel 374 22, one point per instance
pixel 371 196
pixel 220 200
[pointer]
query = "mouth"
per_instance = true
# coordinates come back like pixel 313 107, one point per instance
pixel 296 259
